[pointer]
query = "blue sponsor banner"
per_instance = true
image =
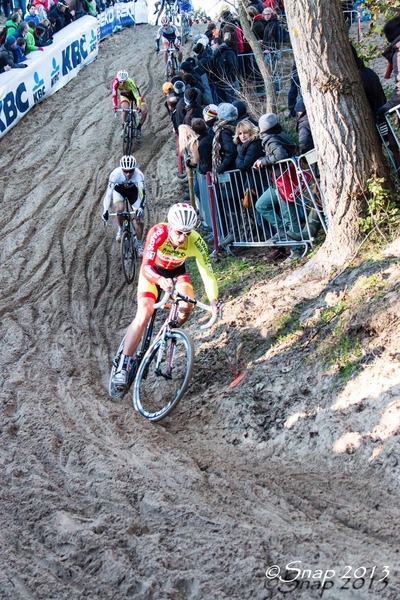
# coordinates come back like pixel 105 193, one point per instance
pixel 121 15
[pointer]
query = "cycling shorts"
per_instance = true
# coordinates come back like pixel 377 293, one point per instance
pixel 132 99
pixel 150 290
pixel 120 192
pixel 165 44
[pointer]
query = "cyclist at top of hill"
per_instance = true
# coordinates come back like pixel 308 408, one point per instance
pixel 126 181
pixel 129 92
pixel 167 247
pixel 164 5
pixel 168 33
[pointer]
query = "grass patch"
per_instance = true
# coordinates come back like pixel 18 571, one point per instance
pixel 234 274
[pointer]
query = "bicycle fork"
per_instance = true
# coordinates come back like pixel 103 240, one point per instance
pixel 160 354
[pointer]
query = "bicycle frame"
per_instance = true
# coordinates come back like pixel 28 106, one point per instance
pixel 128 241
pixel 130 126
pixel 147 347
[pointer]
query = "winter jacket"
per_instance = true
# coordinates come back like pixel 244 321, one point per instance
pixel 62 19
pixel 29 17
pixel 205 152
pixel 392 54
pixel 258 5
pixel 277 145
pixel 225 65
pixel 257 26
pixel 228 151
pixel 19 54
pixel 303 128
pixel 11 27
pixel 30 41
pixel 247 154
pixel 7 58
pixel 272 37
pixel 192 111
pixel 229 36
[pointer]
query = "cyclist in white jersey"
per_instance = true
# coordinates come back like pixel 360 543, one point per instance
pixel 126 181
pixel 168 33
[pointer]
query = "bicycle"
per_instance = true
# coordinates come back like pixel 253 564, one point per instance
pixel 128 241
pixel 130 127
pixel 171 66
pixel 162 369
pixel 185 28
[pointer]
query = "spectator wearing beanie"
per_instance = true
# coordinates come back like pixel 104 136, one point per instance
pixel 7 55
pixel 210 115
pixel 204 146
pixel 192 108
pixel 167 87
pixel 224 150
pixel 280 214
pixel 242 112
pixel 179 115
pixel 224 153
pixel 187 68
pixel 224 73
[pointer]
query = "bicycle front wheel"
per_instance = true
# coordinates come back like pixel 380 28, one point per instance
pixel 129 129
pixel 128 255
pixel 163 375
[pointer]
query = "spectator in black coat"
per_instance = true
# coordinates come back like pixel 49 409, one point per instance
pixel 306 142
pixel 204 145
pixel 61 15
pixel 224 150
pixel 7 56
pixel 249 147
pixel 192 109
pixel 242 112
pixel 272 37
pixel 225 72
pixel 377 100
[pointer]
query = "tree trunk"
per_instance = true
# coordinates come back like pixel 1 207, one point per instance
pixel 346 140
pixel 265 69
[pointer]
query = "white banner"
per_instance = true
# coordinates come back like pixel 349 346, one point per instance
pixel 47 71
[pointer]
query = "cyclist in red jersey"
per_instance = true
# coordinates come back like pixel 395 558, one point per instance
pixel 167 247
pixel 129 92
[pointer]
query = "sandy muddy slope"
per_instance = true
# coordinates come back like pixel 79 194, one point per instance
pixel 95 501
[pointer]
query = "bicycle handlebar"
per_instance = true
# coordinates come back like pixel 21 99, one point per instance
pixel 123 213
pixel 174 295
pixel 163 301
pixel 127 110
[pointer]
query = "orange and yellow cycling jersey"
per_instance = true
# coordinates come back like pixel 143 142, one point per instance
pixel 159 252
pixel 128 89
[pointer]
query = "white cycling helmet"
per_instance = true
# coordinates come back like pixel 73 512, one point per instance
pixel 128 162
pixel 165 21
pixel 182 217
pixel 122 75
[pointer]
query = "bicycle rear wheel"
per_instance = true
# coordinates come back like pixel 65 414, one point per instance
pixel 128 255
pixel 159 386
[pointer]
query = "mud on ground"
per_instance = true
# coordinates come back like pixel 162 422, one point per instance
pixel 287 465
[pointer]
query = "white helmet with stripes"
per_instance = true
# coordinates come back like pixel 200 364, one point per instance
pixel 182 217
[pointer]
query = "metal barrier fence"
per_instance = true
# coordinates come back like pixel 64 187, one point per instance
pixel 250 210
pixel 280 62
pixel 389 130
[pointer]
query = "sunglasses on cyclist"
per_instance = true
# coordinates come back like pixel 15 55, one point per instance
pixel 185 233
pixel 128 170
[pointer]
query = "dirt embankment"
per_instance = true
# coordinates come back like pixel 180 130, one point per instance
pixel 98 503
